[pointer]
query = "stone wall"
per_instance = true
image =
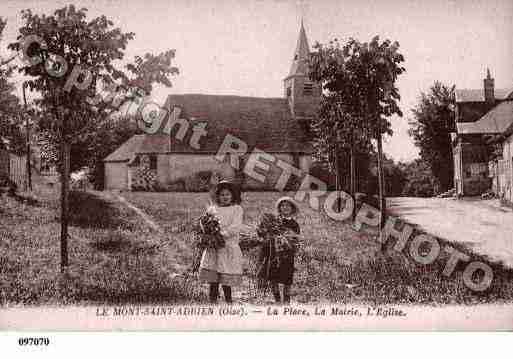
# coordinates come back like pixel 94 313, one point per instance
pixel 271 175
pixel 197 172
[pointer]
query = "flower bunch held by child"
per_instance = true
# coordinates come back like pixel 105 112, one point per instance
pixel 269 225
pixel 206 234
pixel 273 227
pixel 280 238
pixel 210 232
pixel 221 260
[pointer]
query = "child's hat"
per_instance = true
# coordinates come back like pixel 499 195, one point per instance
pixel 286 199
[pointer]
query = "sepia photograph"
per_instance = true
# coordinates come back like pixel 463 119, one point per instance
pixel 267 165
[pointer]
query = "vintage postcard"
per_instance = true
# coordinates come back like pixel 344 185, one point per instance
pixel 266 165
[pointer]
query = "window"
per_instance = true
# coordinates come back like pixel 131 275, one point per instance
pixel 289 91
pixel 308 89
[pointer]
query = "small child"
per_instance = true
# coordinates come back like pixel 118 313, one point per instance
pixel 277 266
pixel 224 265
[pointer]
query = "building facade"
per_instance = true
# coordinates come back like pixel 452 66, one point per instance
pixel 501 162
pixel 178 159
pixel 475 122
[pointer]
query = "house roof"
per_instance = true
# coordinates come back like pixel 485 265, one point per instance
pixel 126 150
pixel 158 143
pixel 265 123
pixel 495 121
pixel 477 95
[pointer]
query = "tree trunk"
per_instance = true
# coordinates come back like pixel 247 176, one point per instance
pixel 338 176
pixel 27 129
pixel 353 176
pixel 65 148
pixel 381 181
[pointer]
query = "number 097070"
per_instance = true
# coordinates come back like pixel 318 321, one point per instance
pixel 34 341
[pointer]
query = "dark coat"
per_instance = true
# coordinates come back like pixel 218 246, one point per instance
pixel 277 267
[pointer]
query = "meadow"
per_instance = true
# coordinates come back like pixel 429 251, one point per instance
pixel 115 257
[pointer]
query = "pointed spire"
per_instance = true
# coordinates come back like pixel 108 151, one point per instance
pixel 489 87
pixel 301 54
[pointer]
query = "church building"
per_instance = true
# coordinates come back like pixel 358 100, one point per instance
pixel 277 126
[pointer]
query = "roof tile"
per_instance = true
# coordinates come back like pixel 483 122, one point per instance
pixel 477 95
pixel 126 150
pixel 495 121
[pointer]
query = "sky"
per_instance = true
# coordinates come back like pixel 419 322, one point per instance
pixel 246 47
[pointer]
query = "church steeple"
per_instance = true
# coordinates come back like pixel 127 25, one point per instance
pixel 302 94
pixel 299 65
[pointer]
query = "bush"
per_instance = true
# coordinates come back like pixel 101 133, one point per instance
pixel 198 182
pixel 418 189
pixel 8 186
pixel 321 172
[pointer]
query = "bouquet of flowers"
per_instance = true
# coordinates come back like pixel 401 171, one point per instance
pixel 206 234
pixel 271 226
pixel 210 232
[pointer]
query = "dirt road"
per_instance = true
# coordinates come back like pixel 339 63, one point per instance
pixel 481 225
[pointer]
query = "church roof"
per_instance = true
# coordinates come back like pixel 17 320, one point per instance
pixel 299 63
pixel 495 121
pixel 264 123
pixel 477 95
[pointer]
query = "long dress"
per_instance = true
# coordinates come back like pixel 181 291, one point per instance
pixel 224 265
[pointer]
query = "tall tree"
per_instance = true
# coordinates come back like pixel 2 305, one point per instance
pixel 363 76
pixel 339 130
pixel 76 56
pixel 376 66
pixel 11 134
pixel 431 127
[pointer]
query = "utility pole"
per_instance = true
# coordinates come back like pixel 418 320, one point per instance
pixel 27 127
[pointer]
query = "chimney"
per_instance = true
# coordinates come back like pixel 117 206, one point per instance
pixel 489 85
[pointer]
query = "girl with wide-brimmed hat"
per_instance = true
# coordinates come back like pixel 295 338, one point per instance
pixel 276 261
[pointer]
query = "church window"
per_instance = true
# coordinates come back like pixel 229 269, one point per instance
pixel 289 91
pixel 308 89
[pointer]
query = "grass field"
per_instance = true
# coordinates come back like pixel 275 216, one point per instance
pixel 116 258
pixel 336 264
pixel 112 255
